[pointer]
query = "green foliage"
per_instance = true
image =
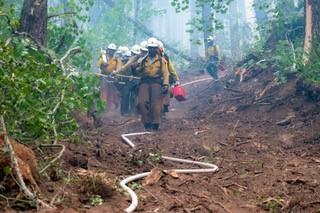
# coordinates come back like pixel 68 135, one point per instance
pixel 197 23
pixel 36 96
pixel 7 170
pixel 282 42
pixel 311 71
pixel 220 6
pixel 67 29
pixel 155 157
pixel 96 200
pixel 135 186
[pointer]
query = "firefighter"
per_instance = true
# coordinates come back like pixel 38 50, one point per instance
pixel 129 96
pixel 108 63
pixel 173 77
pixel 143 48
pixel 124 85
pixel 154 85
pixel 214 57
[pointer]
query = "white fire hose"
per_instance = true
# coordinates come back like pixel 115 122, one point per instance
pixel 197 81
pixel 211 168
pixel 137 78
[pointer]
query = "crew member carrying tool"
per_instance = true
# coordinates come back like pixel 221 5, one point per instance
pixel 214 57
pixel 173 77
pixel 154 85
pixel 107 64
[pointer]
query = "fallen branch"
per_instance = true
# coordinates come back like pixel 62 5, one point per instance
pixel 70 53
pixel 65 59
pixel 14 163
pixel 16 168
pixel 63 148
pixel 6 199
pixel 294 64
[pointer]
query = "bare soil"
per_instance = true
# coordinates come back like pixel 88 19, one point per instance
pixel 264 137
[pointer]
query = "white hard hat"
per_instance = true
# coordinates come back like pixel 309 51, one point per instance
pixel 127 53
pixel 112 46
pixel 123 49
pixel 160 44
pixel 126 49
pixel 135 49
pixel 144 46
pixel 152 42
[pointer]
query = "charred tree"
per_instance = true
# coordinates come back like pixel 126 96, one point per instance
pixel 34 19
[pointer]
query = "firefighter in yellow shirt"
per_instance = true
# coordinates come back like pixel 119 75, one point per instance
pixel 173 77
pixel 107 64
pixel 154 85
pixel 214 57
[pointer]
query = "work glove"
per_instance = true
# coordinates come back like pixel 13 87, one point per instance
pixel 165 89
pixel 113 73
pixel 177 83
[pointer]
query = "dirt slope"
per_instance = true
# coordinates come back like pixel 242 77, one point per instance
pixel 264 137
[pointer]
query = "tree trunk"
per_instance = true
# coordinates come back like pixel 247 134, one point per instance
pixel 308 30
pixel 316 19
pixel 136 6
pixel 194 46
pixel 207 26
pixel 143 29
pixel 234 30
pixel 261 14
pixel 34 19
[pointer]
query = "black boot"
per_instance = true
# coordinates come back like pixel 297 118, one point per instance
pixel 166 108
pixel 155 127
pixel 148 126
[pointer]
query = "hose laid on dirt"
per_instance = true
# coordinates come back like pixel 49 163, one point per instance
pixel 134 199
pixel 137 78
pixel 196 81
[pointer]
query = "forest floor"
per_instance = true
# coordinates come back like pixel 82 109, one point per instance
pixel 264 137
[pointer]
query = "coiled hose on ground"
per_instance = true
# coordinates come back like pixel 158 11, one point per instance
pixel 211 168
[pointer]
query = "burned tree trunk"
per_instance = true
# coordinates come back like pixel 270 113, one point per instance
pixel 34 19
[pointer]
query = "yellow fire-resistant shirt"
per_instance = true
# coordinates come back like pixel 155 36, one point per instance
pixel 126 69
pixel 172 70
pixel 214 52
pixel 153 68
pixel 112 65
